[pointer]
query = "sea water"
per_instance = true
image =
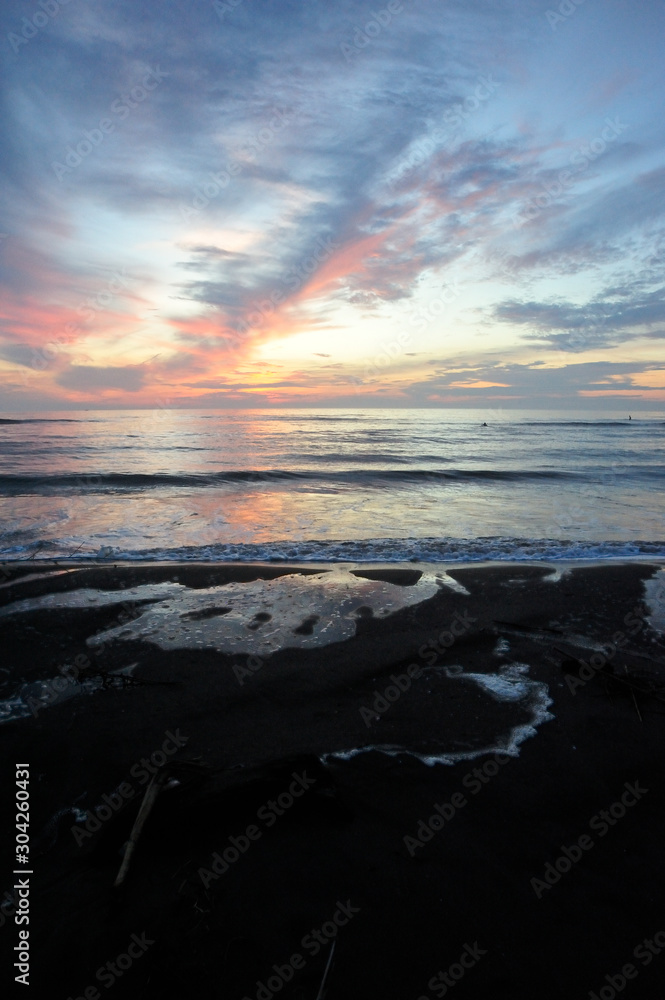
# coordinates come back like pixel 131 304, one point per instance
pixel 320 485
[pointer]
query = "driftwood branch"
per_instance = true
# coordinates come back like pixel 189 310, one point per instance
pixel 320 995
pixel 652 688
pixel 149 799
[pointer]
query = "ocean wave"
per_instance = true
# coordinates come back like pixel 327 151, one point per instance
pixel 341 456
pixel 613 424
pixel 92 482
pixel 373 550
pixel 45 420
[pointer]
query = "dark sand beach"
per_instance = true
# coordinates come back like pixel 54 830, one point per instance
pixel 486 757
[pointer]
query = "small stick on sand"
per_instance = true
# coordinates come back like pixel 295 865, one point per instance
pixel 626 682
pixel 320 995
pixel 149 799
pixel 632 691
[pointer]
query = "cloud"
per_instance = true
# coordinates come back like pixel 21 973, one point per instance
pixel 87 378
pixel 520 384
pixel 18 354
pixel 275 184
pixel 618 315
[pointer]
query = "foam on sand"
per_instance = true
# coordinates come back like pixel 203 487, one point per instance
pixel 511 684
pixel 259 617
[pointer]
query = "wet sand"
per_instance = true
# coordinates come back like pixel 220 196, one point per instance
pixel 483 754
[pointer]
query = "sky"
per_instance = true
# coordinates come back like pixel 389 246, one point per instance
pixel 253 203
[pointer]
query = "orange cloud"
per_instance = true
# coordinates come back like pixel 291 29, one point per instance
pixel 480 385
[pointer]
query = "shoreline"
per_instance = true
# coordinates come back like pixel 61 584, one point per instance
pixel 7 565
pixel 399 550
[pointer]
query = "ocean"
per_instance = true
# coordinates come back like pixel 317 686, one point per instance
pixel 331 485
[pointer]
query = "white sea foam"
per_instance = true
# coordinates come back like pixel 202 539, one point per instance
pixel 35 696
pixel 257 617
pixel 442 550
pixel 508 685
pixel 654 592
pixel 511 685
